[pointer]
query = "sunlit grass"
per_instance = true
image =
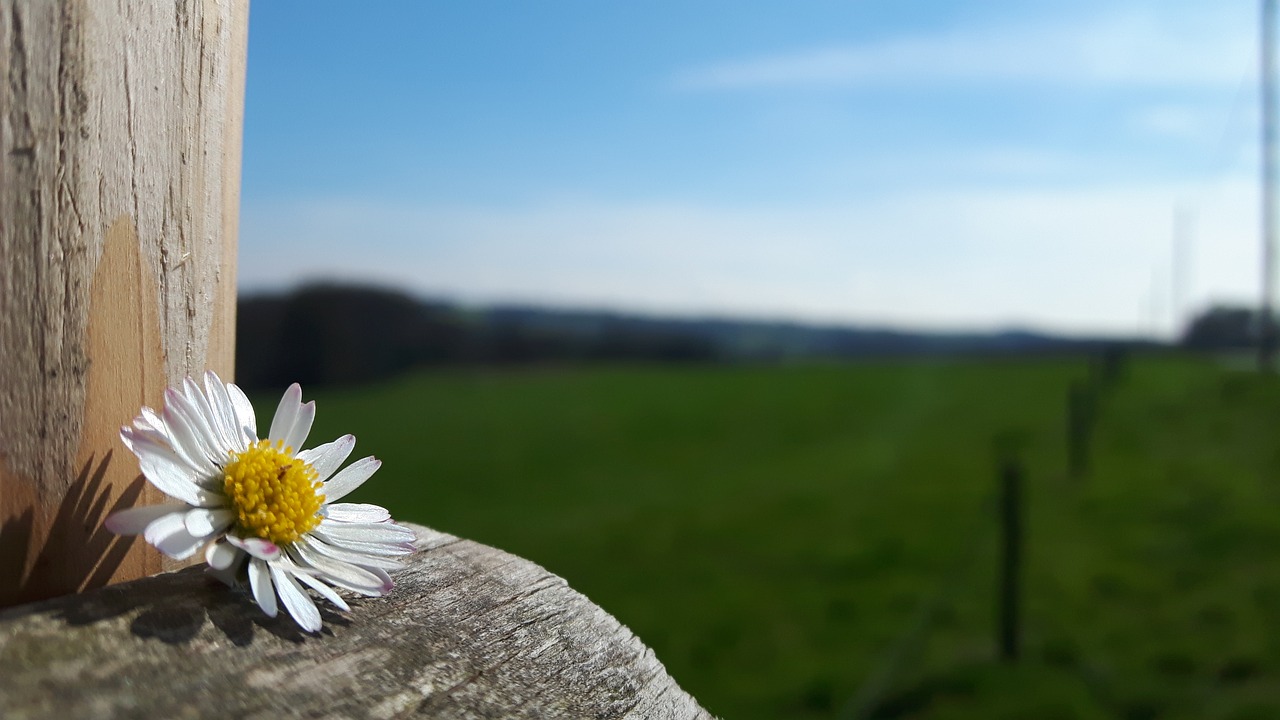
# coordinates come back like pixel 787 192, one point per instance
pixel 779 534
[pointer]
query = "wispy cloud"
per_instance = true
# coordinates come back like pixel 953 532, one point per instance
pixel 1175 121
pixel 1208 45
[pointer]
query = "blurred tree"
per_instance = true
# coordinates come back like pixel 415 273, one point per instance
pixel 336 334
pixel 1224 327
pixel 330 334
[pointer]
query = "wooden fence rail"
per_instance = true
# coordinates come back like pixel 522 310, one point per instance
pixel 469 632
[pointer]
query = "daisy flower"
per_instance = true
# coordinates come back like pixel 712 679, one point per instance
pixel 259 507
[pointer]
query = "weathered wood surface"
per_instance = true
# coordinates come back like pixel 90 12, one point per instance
pixel 469 632
pixel 120 127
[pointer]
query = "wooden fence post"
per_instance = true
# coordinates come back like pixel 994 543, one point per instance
pixel 1010 576
pixel 120 134
pixel 1082 405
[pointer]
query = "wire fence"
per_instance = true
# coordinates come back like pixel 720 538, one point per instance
pixel 1005 503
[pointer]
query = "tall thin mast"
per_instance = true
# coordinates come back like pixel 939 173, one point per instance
pixel 1267 336
pixel 1180 275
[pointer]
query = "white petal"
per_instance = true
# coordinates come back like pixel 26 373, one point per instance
pixel 301 426
pixel 181 546
pixel 350 478
pixel 169 535
pixel 211 379
pixel 176 485
pixel 139 441
pixel 336 572
pixel 225 410
pixel 304 611
pixel 247 421
pixel 383 556
pixel 286 413
pixel 149 420
pixel 324 590
pixel 326 458
pixel 370 530
pixel 224 439
pixel 198 406
pixel 260 583
pixel 257 547
pixel 146 447
pixel 357 512
pixel 183 437
pixel 203 522
pixel 135 520
pixel 176 402
pixel 173 479
pixel 387 584
pixel 164 526
pixel 167 467
pixel 130 434
pixel 221 555
pixel 210 499
pixel 356 555
pixel 377 533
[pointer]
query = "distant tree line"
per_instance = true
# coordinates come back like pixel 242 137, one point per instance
pixel 335 334
pixel 341 334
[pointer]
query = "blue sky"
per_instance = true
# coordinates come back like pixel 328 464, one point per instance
pixel 958 165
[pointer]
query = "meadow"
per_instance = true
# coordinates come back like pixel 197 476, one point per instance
pixel 819 541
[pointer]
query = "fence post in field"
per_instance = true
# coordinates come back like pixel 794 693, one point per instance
pixel 120 128
pixel 1080 417
pixel 1010 571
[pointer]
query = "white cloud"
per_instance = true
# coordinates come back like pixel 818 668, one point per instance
pixel 1016 163
pixel 1180 122
pixel 1197 45
pixel 1066 260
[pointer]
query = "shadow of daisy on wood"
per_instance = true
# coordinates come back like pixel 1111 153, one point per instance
pixel 175 608
pixel 77 552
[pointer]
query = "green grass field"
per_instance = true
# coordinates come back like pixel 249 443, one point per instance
pixel 819 541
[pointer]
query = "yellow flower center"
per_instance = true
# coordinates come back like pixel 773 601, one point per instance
pixel 276 495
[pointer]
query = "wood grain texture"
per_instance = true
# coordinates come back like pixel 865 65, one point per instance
pixel 468 632
pixel 120 128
